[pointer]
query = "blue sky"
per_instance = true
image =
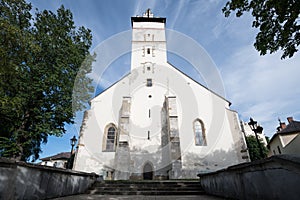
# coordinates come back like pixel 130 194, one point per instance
pixel 263 87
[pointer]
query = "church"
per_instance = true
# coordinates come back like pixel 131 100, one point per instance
pixel 157 122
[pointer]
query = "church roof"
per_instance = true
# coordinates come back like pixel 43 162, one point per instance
pixel 148 17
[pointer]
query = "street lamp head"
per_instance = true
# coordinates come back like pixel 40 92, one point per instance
pixel 252 124
pixel 259 129
pixel 73 141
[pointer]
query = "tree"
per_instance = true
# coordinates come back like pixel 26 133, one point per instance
pixel 278 22
pixel 39 60
pixel 253 148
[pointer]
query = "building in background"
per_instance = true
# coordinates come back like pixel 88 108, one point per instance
pixel 157 122
pixel 286 140
pixel 59 160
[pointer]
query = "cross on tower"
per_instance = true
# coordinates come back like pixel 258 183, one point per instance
pixel 148 13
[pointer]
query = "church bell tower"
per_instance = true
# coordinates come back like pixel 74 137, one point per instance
pixel 148 40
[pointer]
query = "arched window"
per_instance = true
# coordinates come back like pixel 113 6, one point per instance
pixel 109 138
pixel 199 131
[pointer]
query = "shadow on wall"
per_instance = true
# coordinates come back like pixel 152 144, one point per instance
pixel 276 177
pixel 194 163
pixel 29 181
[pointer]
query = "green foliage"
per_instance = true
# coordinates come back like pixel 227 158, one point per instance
pixel 254 150
pixel 278 22
pixel 40 59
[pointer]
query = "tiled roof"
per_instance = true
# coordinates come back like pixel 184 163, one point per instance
pixel 293 126
pixel 63 155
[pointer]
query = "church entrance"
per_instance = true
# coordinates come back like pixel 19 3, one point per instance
pixel 148 172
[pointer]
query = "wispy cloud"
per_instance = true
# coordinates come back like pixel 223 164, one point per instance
pixel 262 87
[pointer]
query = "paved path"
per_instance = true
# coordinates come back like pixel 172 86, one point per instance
pixel 137 197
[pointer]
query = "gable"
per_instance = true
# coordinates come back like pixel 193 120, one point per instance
pixel 137 72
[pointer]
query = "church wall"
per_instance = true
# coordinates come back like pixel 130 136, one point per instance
pixel 240 146
pixel 90 157
pixel 151 81
pixel 145 120
pixel 196 102
pixel 193 102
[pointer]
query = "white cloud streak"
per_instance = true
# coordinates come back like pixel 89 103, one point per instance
pixel 263 87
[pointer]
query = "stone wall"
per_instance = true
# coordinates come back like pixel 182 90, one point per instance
pixel 19 180
pixel 277 177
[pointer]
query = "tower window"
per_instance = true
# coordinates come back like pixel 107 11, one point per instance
pixel 148 51
pixel 149 82
pixel 199 131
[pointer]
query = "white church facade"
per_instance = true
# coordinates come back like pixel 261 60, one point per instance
pixel 157 122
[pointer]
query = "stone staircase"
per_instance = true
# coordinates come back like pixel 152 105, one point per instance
pixel 148 188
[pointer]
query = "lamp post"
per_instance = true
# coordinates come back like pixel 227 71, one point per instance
pixel 256 129
pixel 73 141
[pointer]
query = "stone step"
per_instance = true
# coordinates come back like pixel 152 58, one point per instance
pixel 148 193
pixel 147 188
pixel 145 185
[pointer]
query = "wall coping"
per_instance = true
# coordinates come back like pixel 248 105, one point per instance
pixel 291 158
pixel 11 163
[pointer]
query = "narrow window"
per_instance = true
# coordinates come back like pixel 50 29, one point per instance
pixel 148 135
pixel 149 82
pixel 279 151
pixel 109 138
pixel 149 113
pixel 110 142
pixel 199 131
pixel 148 51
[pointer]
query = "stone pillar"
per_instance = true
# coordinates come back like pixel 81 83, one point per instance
pixel 175 151
pixel 122 155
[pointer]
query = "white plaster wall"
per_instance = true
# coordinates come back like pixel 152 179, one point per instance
pixel 104 110
pixel 293 147
pixel 148 35
pixel 286 139
pixel 89 157
pixel 59 163
pixel 273 146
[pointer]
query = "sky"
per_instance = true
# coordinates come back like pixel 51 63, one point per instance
pixel 263 87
